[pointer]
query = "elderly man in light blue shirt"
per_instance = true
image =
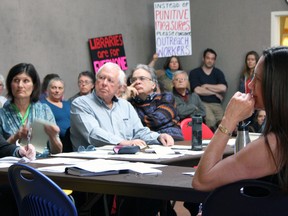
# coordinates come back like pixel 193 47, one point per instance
pixel 101 118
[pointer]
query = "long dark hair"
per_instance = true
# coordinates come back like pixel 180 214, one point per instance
pixel 246 69
pixel 28 69
pixel 275 96
pixel 168 60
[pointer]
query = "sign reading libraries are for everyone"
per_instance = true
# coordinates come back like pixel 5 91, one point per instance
pixel 107 49
pixel 172 28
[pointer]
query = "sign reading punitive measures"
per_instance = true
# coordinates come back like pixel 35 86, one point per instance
pixel 172 28
pixel 107 49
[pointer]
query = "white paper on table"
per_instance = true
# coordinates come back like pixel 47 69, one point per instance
pixel 190 152
pixel 85 154
pixel 8 161
pixel 161 150
pixel 58 160
pixel 181 147
pixel 54 169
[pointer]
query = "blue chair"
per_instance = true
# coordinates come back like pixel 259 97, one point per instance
pixel 36 194
pixel 247 197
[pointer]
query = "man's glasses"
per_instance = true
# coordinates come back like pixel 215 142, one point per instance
pixel 86 82
pixel 141 78
pixel 88 148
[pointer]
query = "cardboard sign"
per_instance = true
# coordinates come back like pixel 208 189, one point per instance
pixel 172 28
pixel 107 49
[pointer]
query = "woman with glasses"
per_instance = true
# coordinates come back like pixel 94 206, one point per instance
pixel 86 81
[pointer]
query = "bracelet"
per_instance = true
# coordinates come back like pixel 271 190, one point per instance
pixel 224 130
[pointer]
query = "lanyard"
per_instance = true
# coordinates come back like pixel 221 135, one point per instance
pixel 24 118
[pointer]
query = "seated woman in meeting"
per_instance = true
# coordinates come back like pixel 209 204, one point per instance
pixel 187 103
pixel 265 157
pixel 45 83
pixel 165 75
pixel 258 123
pixel 251 60
pixel 156 111
pixel 59 107
pixel 17 115
pixel 86 82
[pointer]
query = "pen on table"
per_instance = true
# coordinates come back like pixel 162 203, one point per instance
pixel 29 137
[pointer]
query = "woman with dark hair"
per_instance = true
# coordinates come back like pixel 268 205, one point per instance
pixel 45 83
pixel 265 157
pixel 165 75
pixel 23 88
pixel 251 60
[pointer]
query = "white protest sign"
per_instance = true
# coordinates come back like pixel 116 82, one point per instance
pixel 172 28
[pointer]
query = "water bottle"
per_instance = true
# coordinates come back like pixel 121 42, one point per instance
pixel 242 138
pixel 197 133
pixel 44 154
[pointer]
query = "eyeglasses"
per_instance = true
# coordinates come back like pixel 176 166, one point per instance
pixel 141 78
pixel 88 148
pixel 180 79
pixel 86 82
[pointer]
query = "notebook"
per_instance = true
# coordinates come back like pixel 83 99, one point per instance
pixel 39 138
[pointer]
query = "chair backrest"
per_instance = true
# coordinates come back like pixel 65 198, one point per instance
pixel 36 194
pixel 186 128
pixel 247 197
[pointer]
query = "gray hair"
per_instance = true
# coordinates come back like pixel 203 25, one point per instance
pixel 180 72
pixel 56 79
pixel 147 68
pixel 2 80
pixel 111 65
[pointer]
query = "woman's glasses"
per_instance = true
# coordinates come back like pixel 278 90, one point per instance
pixel 86 82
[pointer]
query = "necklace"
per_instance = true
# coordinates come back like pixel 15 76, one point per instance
pixel 22 118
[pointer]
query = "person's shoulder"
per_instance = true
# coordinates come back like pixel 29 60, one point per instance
pixel 66 102
pixel 167 96
pixel 122 101
pixel 193 94
pixel 195 69
pixel 160 73
pixel 43 100
pixel 217 70
pixel 73 97
pixel 83 98
pixel 39 104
